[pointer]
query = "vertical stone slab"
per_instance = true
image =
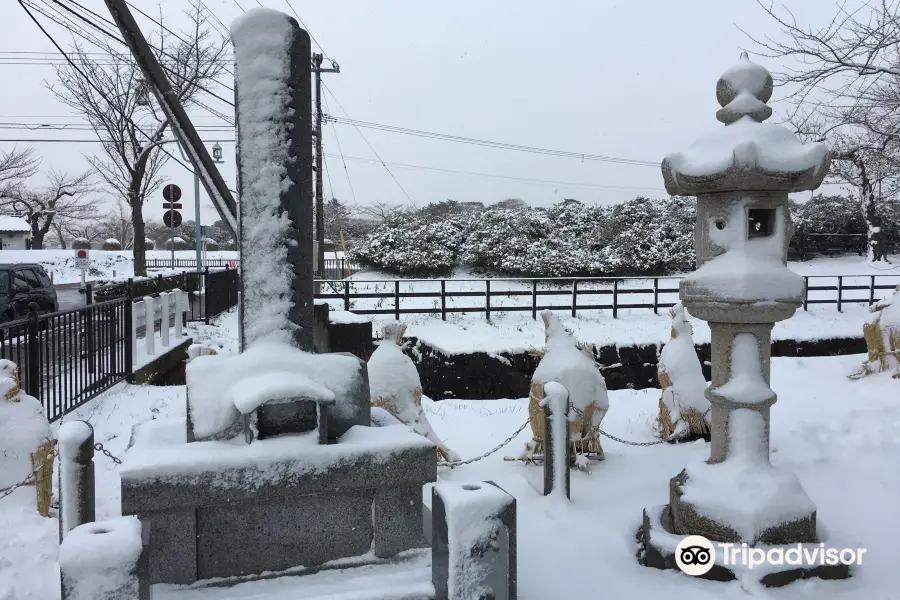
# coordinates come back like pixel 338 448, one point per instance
pixel 473 542
pixel 274 129
pixel 172 542
pixel 398 523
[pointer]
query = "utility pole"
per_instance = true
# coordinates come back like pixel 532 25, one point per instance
pixel 320 200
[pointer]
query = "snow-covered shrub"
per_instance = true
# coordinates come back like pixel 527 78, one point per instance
pixel 409 244
pixel 827 214
pixel 649 237
pixel 882 334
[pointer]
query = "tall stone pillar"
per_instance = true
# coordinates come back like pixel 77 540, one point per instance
pixel 741 175
pixel 274 131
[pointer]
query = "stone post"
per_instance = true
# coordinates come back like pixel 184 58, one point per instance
pixel 274 123
pixel 76 475
pixel 557 473
pixel 105 561
pixel 473 542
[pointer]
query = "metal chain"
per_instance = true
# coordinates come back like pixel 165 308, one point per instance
pixel 459 463
pixel 99 448
pixel 30 479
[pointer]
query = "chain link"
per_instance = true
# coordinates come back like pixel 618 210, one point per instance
pixel 459 463
pixel 99 448
pixel 31 476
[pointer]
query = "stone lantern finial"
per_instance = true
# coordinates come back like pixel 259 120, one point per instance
pixel 743 90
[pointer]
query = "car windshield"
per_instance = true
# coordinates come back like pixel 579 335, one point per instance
pixel 4 282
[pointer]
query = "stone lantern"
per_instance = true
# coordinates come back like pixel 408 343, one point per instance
pixel 741 175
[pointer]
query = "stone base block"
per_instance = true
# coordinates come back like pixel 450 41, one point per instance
pixel 657 544
pixel 748 519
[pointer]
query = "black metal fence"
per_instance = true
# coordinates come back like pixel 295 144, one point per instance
pixel 68 357
pixel 574 294
pixel 333 268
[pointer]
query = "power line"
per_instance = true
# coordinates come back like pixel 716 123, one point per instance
pixel 491 144
pixel 338 140
pixel 586 185
pixel 369 145
pixel 93 85
pixel 315 41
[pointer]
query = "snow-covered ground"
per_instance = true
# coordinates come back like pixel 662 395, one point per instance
pixel 842 438
pixel 105 264
pixel 516 331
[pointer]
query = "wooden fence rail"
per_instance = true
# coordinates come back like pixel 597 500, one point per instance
pixel 573 293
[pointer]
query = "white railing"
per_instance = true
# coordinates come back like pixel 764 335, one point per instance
pixel 148 311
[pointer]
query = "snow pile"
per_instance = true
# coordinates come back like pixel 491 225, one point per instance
pixel 750 270
pixel 571 365
pixel 394 385
pixel 683 404
pixel 262 39
pixel 473 530
pixel 266 461
pixel 23 429
pixel 98 559
pixel 224 387
pixel 745 491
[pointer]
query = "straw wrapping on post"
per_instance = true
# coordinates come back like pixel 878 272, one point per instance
pixel 572 365
pixel 882 334
pixel 395 386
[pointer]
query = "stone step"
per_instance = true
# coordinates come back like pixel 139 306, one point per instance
pixel 401 580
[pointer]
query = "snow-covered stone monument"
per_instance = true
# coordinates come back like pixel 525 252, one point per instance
pixel 276 465
pixel 741 175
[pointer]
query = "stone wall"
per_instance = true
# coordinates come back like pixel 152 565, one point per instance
pixel 479 375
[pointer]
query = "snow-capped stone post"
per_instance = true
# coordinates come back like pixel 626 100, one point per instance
pixel 557 474
pixel 104 561
pixel 76 475
pixel 274 177
pixel 741 175
pixel 473 541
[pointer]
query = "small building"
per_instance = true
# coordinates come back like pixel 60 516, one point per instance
pixel 112 244
pixel 15 233
pixel 81 243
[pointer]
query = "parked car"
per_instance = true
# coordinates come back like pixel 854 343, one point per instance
pixel 22 284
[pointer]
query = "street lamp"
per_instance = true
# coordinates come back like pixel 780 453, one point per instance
pixel 217 153
pixel 198 230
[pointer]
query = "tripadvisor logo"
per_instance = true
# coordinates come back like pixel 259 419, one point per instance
pixel 695 555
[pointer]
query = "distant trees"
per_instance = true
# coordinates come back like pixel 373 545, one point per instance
pixel 61 200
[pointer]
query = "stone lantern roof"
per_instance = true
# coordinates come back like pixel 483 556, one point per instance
pixel 747 154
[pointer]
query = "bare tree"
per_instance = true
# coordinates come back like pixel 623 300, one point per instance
pixel 65 197
pixel 16 166
pixel 844 87
pixel 111 94
pixel 116 224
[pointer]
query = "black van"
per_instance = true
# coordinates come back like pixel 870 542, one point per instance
pixel 22 284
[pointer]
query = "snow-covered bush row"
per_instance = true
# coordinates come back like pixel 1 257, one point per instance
pixel 638 237
pixel 841 214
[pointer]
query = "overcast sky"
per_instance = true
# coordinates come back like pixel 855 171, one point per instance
pixel 631 79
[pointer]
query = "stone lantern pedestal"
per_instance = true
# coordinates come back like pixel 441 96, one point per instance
pixel 741 175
